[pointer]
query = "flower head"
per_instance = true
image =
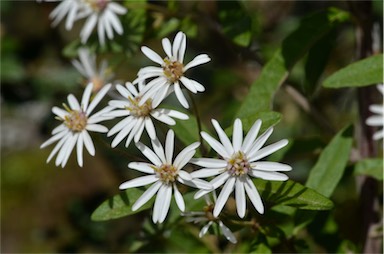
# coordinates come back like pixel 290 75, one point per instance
pixel 240 160
pixel 103 14
pixel 377 120
pixel 86 65
pixel 171 72
pixel 138 115
pixel 76 122
pixel 164 173
pixel 207 217
pixel 100 13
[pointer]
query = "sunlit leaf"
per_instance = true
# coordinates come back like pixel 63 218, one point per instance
pixel 361 73
pixel 370 167
pixel 120 205
pixel 290 193
pixel 294 47
pixel 329 169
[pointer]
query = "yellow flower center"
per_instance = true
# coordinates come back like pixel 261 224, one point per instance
pixel 97 5
pixel 166 173
pixel 76 121
pixel 238 164
pixel 173 70
pixel 139 110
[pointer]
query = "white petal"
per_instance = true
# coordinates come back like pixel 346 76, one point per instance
pixel 167 47
pixel 182 48
pixel 86 96
pixel 140 181
pixel 73 103
pixel 378 135
pixel 189 85
pixel 54 138
pixel 269 150
pixel 223 137
pixel 123 91
pixel 117 8
pixel 174 113
pixel 101 27
pixel 272 176
pixel 120 125
pixel 60 128
pixel 253 195
pixel 162 117
pixel 59 112
pixel 237 136
pixel 99 96
pixel 219 148
pixel 88 27
pixel 260 141
pixel 185 175
pixel 142 167
pixel 123 133
pixel 169 146
pixel 227 233
pixel 207 172
pixel 150 128
pixel 185 155
pixel 88 143
pixel 97 128
pixel 180 96
pixel 200 59
pixel 79 150
pixel 378 109
pixel 159 150
pixel 71 144
pixel 179 198
pixel 204 229
pixel 224 194
pixel 147 195
pixel 209 162
pixel 138 129
pixel 240 197
pixel 149 154
pixel 176 45
pixel 58 146
pixel 251 136
pixel 270 166
pixel 152 55
pixel 375 120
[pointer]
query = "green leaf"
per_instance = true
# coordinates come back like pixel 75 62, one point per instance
pixel 361 73
pixel 329 168
pixel 290 193
pixel 370 167
pixel 236 23
pixel 317 59
pixel 119 206
pixel 276 70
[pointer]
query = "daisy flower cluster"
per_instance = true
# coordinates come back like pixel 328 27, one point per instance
pixel 138 107
pixel 100 14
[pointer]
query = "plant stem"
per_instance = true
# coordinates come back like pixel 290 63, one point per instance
pixel 198 121
pixel 368 185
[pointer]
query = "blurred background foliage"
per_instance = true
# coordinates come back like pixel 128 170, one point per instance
pixel 48 209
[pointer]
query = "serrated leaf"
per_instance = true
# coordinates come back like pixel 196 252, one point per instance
pixel 361 73
pixel 290 193
pixel 330 166
pixel 370 167
pixel 276 70
pixel 119 206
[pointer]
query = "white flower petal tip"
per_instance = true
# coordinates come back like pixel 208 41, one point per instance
pixel 377 117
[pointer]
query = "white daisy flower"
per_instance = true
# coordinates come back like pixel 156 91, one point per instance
pixel 377 120
pixel 164 174
pixel 171 70
pixel 103 14
pixel 77 121
pixel 138 115
pixel 100 13
pixel 69 8
pixel 207 216
pixel 240 161
pixel 86 65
